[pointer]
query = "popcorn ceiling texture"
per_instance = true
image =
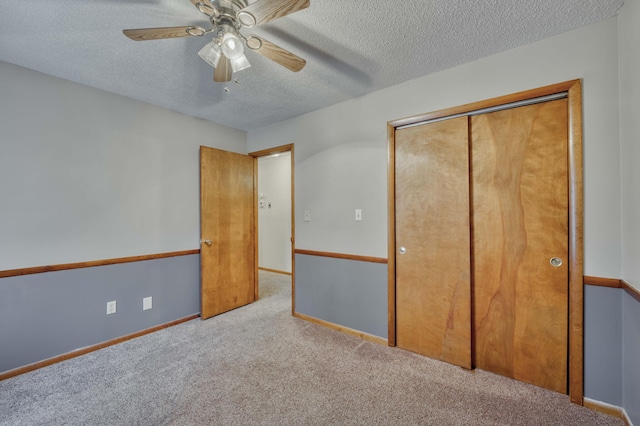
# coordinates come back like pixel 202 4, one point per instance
pixel 351 47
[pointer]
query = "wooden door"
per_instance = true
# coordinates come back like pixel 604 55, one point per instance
pixel 433 308
pixel 227 256
pixel 520 222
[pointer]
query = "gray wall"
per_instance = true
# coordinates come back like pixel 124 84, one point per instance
pixel 49 314
pixel 630 359
pixel 603 344
pixel 612 342
pixel 345 292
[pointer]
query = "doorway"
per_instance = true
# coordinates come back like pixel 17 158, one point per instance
pixel 275 224
pixel 229 202
pixel 274 213
pixel 449 304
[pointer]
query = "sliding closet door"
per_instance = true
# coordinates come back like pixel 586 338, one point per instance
pixel 433 309
pixel 520 242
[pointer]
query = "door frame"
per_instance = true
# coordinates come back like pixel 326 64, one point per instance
pixel 256 156
pixel 573 89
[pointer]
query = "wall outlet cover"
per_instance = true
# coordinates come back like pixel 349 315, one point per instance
pixel 147 303
pixel 111 307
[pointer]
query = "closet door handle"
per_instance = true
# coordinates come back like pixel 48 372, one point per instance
pixel 402 250
pixel 207 242
pixel 556 262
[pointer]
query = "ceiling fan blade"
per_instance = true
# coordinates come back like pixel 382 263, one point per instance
pixel 267 10
pixel 276 53
pixel 223 71
pixel 144 34
pixel 206 7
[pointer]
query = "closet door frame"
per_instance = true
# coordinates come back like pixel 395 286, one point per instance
pixel 573 89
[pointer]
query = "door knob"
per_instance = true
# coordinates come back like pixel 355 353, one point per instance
pixel 207 242
pixel 555 262
pixel 402 250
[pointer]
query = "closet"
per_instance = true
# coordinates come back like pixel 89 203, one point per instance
pixel 481 240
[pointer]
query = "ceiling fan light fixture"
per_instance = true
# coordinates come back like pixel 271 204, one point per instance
pixel 211 53
pixel 227 17
pixel 232 48
pixel 240 63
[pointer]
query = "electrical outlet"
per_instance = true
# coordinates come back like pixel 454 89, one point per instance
pixel 147 303
pixel 111 307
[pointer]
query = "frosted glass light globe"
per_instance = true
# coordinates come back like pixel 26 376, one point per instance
pixel 211 53
pixel 232 47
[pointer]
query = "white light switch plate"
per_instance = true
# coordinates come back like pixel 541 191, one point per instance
pixel 307 216
pixel 358 214
pixel 111 307
pixel 147 303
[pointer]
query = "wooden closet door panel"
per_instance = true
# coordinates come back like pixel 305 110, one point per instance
pixel 520 221
pixel 433 308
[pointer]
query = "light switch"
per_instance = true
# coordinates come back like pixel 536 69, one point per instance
pixel 307 216
pixel 358 215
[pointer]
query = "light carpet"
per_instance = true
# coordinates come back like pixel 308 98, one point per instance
pixel 258 365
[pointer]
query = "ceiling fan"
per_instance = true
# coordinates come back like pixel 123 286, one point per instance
pixel 226 51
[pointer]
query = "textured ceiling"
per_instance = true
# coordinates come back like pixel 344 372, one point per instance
pixel 351 47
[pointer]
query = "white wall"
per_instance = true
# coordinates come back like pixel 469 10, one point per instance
pixel 629 24
pixel 348 141
pixel 332 184
pixel 274 216
pixel 87 175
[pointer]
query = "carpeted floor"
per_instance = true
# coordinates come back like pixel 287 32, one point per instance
pixel 259 365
